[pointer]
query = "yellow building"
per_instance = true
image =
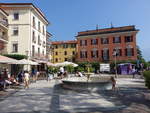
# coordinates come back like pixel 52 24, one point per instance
pixel 63 51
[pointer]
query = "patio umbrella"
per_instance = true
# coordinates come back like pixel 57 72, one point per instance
pixel 27 62
pixel 7 60
pixel 66 63
pixel 50 64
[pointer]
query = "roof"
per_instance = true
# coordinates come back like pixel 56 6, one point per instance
pixel 37 9
pixel 64 42
pixel 107 30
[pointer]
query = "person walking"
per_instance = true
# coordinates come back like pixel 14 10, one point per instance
pixel 113 81
pixel 133 72
pixel 26 79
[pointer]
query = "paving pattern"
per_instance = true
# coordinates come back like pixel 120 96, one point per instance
pixel 50 97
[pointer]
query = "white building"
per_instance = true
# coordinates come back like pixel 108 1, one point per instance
pixel 27 30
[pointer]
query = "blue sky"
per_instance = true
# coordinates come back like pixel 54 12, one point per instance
pixel 67 17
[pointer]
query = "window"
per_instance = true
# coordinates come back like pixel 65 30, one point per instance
pixel 43 30
pixel 104 41
pixel 105 54
pixel 73 52
pixel 15 31
pixel 15 47
pixel 83 54
pixel 33 51
pixel 56 53
pixel 56 59
pixel 33 21
pixel 94 54
pixel 73 45
pixel 116 39
pixel 128 38
pixel 43 52
pixel 94 41
pixel 83 42
pixel 129 52
pixel 39 26
pixel 118 52
pixel 16 16
pixel 65 45
pixel 56 46
pixel 65 52
pixel 39 41
pixel 66 59
pixel 38 51
pixel 33 36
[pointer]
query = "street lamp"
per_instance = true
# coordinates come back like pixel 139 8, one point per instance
pixel 115 55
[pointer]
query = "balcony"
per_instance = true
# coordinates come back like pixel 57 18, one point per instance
pixel 4 23
pixel 4 38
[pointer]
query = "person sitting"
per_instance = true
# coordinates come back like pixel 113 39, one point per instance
pixel 79 74
pixel 13 80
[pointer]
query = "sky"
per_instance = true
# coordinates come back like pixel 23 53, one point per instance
pixel 68 17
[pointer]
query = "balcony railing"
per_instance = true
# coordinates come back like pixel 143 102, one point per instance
pixel 4 38
pixel 4 23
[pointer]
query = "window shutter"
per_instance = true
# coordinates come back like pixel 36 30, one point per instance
pixel 85 42
pixel 102 53
pixel 96 41
pixel 108 53
pixel 80 42
pixel 91 54
pixel 80 54
pixel 120 39
pixel 101 40
pixel 132 38
pixel 97 54
pixel 86 54
pixel 120 52
pixel 125 52
pixel 132 51
pixel 125 39
pixel 113 39
pixel 107 40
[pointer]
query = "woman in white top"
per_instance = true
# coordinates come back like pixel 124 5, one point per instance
pixel 26 79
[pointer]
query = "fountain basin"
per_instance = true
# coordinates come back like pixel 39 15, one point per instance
pixel 93 84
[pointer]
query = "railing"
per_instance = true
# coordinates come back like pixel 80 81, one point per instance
pixel 4 37
pixel 4 22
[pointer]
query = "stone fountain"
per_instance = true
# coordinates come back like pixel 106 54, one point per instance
pixel 90 82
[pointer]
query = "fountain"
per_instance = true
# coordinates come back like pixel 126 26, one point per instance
pixel 90 82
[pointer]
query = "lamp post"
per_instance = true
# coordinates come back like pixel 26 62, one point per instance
pixel 115 55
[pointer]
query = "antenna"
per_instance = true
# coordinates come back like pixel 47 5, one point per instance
pixel 112 25
pixel 97 27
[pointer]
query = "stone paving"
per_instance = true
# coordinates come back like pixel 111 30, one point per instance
pixel 50 97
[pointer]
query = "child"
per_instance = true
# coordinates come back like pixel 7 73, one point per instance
pixel 113 81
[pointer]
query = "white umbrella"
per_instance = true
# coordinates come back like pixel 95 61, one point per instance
pixel 50 64
pixel 66 63
pixel 28 62
pixel 7 60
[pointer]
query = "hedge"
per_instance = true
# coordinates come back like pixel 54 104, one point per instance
pixel 147 78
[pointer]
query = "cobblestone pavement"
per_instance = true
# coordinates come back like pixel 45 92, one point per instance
pixel 50 97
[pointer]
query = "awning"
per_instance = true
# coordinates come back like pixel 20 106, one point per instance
pixel 7 60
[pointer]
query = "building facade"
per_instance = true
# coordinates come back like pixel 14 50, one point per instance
pixel 3 31
pixel 27 30
pixel 99 45
pixel 63 51
pixel 48 45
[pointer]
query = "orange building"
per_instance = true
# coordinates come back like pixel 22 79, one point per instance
pixel 99 45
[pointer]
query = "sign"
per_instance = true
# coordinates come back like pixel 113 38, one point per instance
pixel 104 67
